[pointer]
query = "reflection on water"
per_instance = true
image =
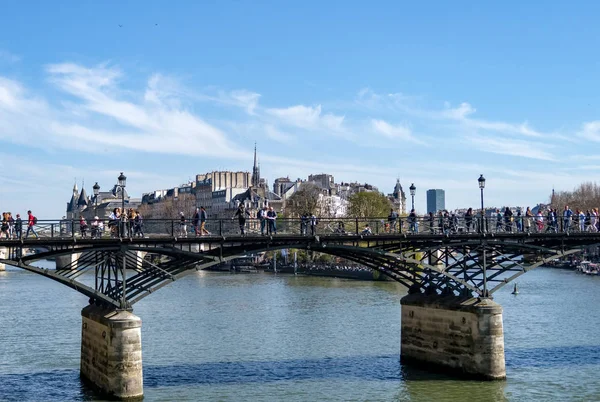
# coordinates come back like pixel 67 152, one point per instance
pixel 267 337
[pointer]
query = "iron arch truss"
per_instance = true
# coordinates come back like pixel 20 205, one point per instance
pixel 121 272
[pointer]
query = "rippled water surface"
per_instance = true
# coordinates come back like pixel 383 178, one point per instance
pixel 260 337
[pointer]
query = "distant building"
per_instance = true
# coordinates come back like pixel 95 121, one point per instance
pixel 398 198
pixel 102 205
pixel 436 200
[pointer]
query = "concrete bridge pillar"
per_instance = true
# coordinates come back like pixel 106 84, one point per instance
pixel 3 255
pixel 65 261
pixel 453 334
pixel 111 352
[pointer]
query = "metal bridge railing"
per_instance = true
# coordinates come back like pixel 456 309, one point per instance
pixel 436 225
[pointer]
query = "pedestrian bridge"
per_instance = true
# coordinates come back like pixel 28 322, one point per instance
pixel 451 271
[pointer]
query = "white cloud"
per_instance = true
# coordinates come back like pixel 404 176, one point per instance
pixel 505 146
pixel 307 117
pixel 395 132
pixel 591 131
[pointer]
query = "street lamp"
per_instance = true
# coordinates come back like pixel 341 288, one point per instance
pixel 96 192
pixel 121 183
pixel 481 182
pixel 412 189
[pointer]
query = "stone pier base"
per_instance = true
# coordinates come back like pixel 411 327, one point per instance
pixel 3 255
pixel 458 335
pixel 68 261
pixel 111 352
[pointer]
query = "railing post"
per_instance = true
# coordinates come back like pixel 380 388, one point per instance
pixel 72 228
pixel 52 230
pixel 377 227
pixel 220 227
pixel 356 225
pixel 172 227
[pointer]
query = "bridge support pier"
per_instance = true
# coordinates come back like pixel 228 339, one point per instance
pixel 111 352
pixel 453 334
pixel 68 261
pixel 3 255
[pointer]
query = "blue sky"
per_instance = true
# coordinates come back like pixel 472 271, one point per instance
pixel 434 93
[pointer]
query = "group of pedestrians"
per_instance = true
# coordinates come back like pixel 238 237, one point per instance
pixel 12 228
pixel 128 223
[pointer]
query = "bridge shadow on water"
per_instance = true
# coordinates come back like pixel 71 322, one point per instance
pixel 59 384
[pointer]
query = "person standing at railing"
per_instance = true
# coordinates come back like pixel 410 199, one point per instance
pixel 11 225
pixel 138 224
pixel 313 224
pixel 508 219
pixel 18 227
pixel 567 216
pixel 431 223
pixel 241 214
pixel 468 219
pixel 303 224
pixel 262 218
pixel 519 221
pixel 540 221
pixel 83 227
pixel 594 219
pixel 271 218
pixel 203 219
pixel 412 221
pixel 4 227
pixel 196 222
pixel 528 217
pixel 31 222
pixel 581 217
pixel 392 220
pixel 498 220
pixel 182 225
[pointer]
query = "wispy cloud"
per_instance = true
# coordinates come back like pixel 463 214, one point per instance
pixel 503 146
pixel 307 117
pixel 394 132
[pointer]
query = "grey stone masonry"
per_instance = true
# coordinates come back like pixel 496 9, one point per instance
pixel 463 336
pixel 111 352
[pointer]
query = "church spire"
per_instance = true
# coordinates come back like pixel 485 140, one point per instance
pixel 255 170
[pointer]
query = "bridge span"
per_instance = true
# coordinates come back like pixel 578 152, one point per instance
pixel 449 318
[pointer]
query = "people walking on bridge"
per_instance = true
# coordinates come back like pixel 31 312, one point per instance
pixel 468 219
pixel 581 219
pixel 95 231
pixel 539 220
pixel 272 219
pixel 392 220
pixel 138 224
pixel 303 223
pixel 4 227
pixel 113 222
pixel 528 218
pixel 412 221
pixel 31 222
pixel 11 225
pixel 182 225
pixel 498 220
pixel 313 224
pixel 18 227
pixel 508 219
pixel 366 231
pixel 567 216
pixel 203 219
pixel 262 219
pixel 83 227
pixel 519 221
pixel 241 214
pixel 196 222
pixel 551 221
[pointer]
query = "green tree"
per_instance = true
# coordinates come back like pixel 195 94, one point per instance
pixel 369 205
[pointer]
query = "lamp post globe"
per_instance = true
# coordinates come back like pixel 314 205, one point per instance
pixel 122 180
pixel 413 190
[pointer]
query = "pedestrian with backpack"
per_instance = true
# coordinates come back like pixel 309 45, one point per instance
pixel 31 222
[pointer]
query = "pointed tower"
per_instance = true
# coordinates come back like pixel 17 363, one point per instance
pixel 255 170
pixel 72 205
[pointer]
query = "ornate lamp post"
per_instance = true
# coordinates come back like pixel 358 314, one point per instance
pixel 481 182
pixel 96 192
pixel 121 183
pixel 413 190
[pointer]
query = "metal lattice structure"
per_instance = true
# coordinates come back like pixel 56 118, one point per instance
pixel 120 272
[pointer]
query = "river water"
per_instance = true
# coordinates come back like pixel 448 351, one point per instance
pixel 264 337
